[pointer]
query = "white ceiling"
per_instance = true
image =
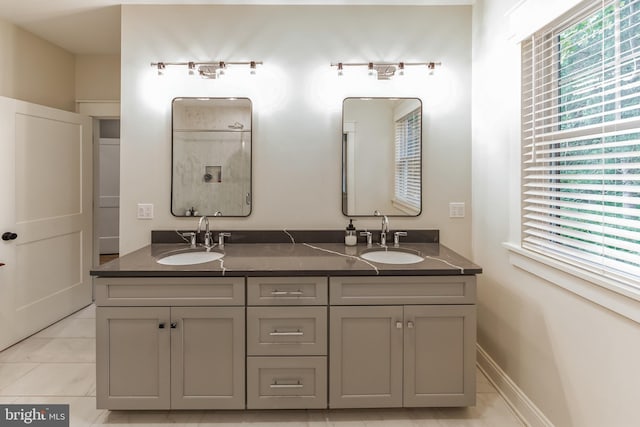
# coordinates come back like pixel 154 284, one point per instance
pixel 93 26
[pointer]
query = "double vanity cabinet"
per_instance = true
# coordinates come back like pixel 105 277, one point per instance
pixel 285 342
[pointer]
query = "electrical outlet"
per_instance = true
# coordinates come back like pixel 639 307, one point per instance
pixel 456 210
pixel 145 211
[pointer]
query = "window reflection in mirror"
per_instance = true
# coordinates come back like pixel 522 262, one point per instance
pixel 211 156
pixel 382 156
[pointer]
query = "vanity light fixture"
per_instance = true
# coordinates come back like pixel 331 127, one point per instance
pixel 385 70
pixel 206 70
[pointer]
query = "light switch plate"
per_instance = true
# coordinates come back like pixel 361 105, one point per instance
pixel 145 211
pixel 456 210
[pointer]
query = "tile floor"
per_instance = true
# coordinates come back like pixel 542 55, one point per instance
pixel 57 365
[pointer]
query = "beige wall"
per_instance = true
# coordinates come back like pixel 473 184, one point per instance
pixel 34 70
pixel 97 77
pixel 297 100
pixel 575 359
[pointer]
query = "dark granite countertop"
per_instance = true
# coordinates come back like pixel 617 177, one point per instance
pixel 289 259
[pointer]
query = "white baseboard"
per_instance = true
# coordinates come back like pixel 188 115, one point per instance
pixel 521 405
pixel 109 245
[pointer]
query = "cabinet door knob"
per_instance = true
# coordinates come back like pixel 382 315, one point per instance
pixel 161 325
pixel 9 236
pixel 174 325
pixel 398 325
pixel 410 325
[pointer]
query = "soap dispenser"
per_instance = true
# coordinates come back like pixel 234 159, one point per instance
pixel 350 238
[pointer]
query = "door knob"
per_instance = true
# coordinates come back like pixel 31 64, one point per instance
pixel 9 236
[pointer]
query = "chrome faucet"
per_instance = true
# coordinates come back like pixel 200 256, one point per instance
pixel 396 237
pixel 221 237
pixel 192 238
pixel 207 232
pixel 385 227
pixel 367 234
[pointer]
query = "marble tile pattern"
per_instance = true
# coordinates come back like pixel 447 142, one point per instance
pixel 57 365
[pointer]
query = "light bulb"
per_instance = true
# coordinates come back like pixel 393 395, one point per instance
pixel 372 72
pixel 401 69
pixel 221 69
pixel 432 67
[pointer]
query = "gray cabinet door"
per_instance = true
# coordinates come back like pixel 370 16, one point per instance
pixel 439 355
pixel 365 357
pixel 207 358
pixel 132 357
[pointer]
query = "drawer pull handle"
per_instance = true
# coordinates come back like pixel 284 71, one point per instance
pixel 277 333
pixel 276 385
pixel 276 292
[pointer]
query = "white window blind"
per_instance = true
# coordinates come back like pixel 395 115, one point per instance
pixel 408 159
pixel 581 139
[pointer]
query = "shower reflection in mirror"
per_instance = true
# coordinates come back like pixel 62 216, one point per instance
pixel 211 156
pixel 382 156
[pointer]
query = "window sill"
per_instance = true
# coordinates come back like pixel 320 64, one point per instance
pixel 608 293
pixel 408 209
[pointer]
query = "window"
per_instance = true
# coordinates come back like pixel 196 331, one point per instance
pixel 407 162
pixel 581 139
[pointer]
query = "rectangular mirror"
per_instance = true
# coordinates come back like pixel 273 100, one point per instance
pixel 382 156
pixel 211 156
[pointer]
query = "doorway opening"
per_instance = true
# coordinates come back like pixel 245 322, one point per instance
pixel 107 198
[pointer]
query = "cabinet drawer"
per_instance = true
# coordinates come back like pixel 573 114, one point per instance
pixel 286 382
pixel 168 291
pixel 402 290
pixel 287 290
pixel 286 331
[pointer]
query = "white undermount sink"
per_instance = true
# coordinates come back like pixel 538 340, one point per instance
pixel 391 256
pixel 189 258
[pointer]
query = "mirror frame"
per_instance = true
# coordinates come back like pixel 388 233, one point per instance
pixel 223 215
pixel 344 157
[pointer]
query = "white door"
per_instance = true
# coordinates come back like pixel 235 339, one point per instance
pixel 45 200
